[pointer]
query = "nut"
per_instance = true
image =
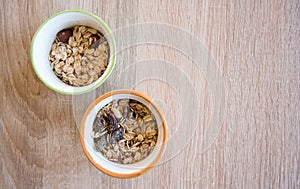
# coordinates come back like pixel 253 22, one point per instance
pixel 63 35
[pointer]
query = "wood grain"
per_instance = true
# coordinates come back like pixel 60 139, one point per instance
pixel 256 46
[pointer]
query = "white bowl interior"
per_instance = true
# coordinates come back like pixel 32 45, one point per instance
pixel 115 167
pixel 46 35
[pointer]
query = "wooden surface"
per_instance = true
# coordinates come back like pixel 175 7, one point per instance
pixel 256 46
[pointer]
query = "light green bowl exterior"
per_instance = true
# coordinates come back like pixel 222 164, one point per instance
pixel 113 61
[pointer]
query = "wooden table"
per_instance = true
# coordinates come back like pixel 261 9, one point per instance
pixel 255 48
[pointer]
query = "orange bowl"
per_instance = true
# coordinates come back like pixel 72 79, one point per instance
pixel 116 169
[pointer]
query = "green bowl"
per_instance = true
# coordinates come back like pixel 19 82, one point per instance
pixel 46 34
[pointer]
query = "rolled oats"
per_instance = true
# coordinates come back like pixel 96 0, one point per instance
pixel 125 131
pixel 79 55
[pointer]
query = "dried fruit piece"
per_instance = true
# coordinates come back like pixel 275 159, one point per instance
pixel 117 135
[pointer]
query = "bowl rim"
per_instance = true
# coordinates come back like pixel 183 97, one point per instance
pixel 113 60
pixel 142 170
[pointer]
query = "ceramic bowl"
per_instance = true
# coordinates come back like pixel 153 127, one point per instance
pixel 116 169
pixel 46 34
